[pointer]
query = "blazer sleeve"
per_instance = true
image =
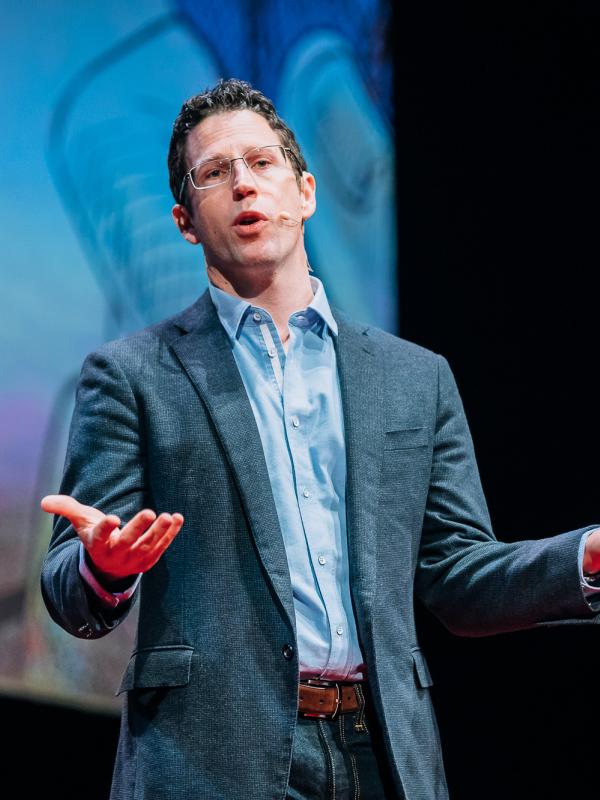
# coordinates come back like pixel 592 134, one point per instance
pixel 474 584
pixel 104 467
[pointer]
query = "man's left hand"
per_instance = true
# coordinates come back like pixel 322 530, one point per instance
pixel 591 556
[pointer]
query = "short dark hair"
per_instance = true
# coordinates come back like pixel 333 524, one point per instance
pixel 228 95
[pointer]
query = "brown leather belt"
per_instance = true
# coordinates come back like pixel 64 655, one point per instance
pixel 327 699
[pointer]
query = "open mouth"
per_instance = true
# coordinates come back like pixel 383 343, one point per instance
pixel 249 218
pixel 249 223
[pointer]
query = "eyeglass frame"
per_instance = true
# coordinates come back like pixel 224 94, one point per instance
pixel 188 174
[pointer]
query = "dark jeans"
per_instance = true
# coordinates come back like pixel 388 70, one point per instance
pixel 332 760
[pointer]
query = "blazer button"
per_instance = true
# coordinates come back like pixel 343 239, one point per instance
pixel 288 651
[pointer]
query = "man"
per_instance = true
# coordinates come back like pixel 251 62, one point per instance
pixel 326 475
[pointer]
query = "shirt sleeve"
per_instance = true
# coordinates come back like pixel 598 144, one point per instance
pixel 112 599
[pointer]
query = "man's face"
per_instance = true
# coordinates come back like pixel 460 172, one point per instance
pixel 231 243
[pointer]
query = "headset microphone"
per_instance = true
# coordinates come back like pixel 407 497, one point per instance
pixel 285 218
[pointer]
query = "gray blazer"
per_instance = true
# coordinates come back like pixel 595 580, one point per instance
pixel 162 420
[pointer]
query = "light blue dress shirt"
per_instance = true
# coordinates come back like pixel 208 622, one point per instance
pixel 296 400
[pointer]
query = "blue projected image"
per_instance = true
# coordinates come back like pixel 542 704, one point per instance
pixel 91 252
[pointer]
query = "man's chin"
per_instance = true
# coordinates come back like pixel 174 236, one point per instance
pixel 258 257
pixel 244 269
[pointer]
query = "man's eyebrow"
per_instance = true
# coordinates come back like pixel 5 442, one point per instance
pixel 218 156
pixel 215 157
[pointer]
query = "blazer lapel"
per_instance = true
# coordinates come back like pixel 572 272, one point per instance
pixel 361 381
pixel 205 353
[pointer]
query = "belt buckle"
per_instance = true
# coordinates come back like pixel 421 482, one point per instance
pixel 325 685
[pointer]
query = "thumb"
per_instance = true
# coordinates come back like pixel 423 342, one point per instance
pixel 62 504
pixel 66 506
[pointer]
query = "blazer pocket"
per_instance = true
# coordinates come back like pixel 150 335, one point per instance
pixel 406 438
pixel 157 667
pixel 424 678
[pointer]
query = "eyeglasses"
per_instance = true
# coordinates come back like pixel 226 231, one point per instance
pixel 262 162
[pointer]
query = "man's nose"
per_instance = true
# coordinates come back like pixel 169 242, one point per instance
pixel 242 179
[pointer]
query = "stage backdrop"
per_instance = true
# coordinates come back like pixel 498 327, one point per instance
pixel 89 252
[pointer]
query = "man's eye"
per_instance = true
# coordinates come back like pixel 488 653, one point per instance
pixel 261 163
pixel 215 172
pixel 210 173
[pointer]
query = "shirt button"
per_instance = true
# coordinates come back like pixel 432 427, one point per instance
pixel 256 316
pixel 295 421
pixel 339 630
pixel 272 352
pixel 322 560
pixel 306 493
pixel 288 651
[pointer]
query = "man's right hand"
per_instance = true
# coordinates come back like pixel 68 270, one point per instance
pixel 117 552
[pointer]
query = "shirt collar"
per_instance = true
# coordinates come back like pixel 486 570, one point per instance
pixel 232 310
pixel 320 304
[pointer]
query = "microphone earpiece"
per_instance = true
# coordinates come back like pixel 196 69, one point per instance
pixel 286 219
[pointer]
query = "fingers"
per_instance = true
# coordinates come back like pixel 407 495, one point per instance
pixel 137 526
pixel 162 543
pixel 171 532
pixel 166 527
pixel 133 555
pixel 140 544
pixel 101 531
pixel 100 535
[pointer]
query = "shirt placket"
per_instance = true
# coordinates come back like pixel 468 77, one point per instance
pixel 322 552
pixel 295 394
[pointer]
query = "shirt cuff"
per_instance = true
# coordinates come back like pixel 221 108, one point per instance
pixel 590 584
pixel 112 599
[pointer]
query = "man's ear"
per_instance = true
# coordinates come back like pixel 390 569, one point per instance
pixel 308 199
pixel 185 224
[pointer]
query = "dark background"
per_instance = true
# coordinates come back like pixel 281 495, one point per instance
pixel 497 132
pixel 498 128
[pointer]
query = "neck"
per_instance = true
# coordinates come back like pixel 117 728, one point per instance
pixel 278 292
